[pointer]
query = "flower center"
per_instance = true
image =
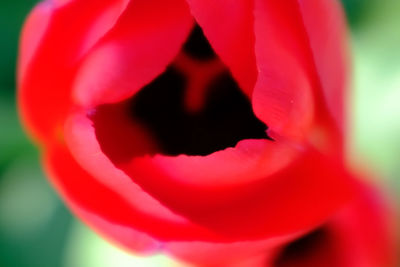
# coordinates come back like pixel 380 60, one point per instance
pixel 194 107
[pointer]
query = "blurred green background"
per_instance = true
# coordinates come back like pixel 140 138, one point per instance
pixel 37 230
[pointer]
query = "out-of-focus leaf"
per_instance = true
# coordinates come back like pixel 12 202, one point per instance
pixel 12 14
pixel 13 141
pixel 355 10
pixel 33 221
pixel 376 99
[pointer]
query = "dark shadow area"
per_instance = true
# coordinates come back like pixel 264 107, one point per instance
pixel 226 118
pixel 310 250
pixel 197 45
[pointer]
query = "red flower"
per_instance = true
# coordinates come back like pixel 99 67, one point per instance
pixel 208 129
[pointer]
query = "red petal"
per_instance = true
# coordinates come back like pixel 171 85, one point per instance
pixel 367 230
pixel 59 38
pixel 106 206
pixel 129 225
pixel 234 209
pixel 123 213
pixel 326 28
pixel 360 235
pixel 228 27
pixel 259 174
pixel 146 39
pixel 299 87
pixel 213 200
pixel 82 142
pixel 283 95
pixel 250 160
pixel 81 139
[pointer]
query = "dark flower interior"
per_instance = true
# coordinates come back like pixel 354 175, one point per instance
pixel 195 107
pixel 314 249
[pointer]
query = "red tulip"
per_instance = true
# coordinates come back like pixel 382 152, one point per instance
pixel 209 130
